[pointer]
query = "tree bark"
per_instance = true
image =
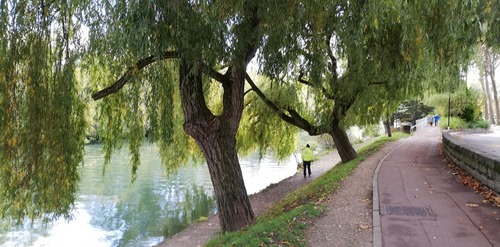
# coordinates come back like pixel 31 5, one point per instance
pixel 216 137
pixel 342 143
pixel 490 101
pixel 387 126
pixel 490 67
pixel 495 96
pixel 486 110
pixel 234 209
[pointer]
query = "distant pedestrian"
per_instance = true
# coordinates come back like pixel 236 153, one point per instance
pixel 436 120
pixel 307 157
pixel 431 120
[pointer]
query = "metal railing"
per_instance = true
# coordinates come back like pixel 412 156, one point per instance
pixel 419 124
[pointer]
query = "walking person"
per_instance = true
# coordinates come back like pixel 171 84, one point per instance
pixel 307 157
pixel 436 120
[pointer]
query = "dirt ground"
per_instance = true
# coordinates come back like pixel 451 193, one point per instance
pixel 348 219
pixel 346 222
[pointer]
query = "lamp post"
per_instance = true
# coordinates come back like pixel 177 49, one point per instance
pixel 449 105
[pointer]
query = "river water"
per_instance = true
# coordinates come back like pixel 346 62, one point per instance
pixel 111 211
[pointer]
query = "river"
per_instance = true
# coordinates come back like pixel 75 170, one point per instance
pixel 112 211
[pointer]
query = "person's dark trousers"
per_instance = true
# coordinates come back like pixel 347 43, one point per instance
pixel 307 164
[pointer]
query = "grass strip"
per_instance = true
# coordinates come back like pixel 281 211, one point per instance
pixel 283 230
pixel 283 223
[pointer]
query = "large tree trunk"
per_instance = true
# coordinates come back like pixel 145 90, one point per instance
pixel 490 101
pixel 490 67
pixel 344 147
pixel 387 126
pixel 486 112
pixel 216 136
pixel 495 96
pixel 235 211
pixel 484 80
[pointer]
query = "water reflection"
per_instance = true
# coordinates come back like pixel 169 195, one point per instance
pixel 197 205
pixel 110 211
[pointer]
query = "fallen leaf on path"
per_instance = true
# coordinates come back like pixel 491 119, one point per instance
pixel 363 226
pixel 320 200
pixel 466 179
pixel 472 205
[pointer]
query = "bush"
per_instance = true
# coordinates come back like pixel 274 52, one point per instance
pixel 479 124
pixel 372 131
pixel 460 124
pixel 455 123
pixel 470 105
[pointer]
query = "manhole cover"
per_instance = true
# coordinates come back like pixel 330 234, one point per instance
pixel 407 211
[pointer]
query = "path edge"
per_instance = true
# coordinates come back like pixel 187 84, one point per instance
pixel 377 229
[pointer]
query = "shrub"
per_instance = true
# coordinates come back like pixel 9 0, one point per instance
pixel 372 131
pixel 455 123
pixel 480 124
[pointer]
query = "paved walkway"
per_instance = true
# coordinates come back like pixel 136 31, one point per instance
pixel 418 202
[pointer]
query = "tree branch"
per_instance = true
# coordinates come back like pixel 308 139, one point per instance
pixel 301 79
pixel 248 91
pixel 294 118
pixel 130 73
pixel 377 83
pixel 323 90
pixel 218 76
pixel 261 95
pixel 333 65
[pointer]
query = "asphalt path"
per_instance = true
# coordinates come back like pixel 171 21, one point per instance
pixel 418 202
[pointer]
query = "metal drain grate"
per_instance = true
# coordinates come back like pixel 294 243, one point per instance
pixel 407 211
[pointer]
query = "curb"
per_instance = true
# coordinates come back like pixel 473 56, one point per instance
pixel 377 230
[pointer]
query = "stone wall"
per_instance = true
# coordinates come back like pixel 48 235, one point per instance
pixel 480 164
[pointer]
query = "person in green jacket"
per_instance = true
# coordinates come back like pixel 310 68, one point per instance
pixel 307 157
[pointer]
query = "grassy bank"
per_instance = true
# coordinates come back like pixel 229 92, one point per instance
pixel 283 224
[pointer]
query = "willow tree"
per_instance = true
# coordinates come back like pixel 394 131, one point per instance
pixel 197 38
pixel 359 57
pixel 488 13
pixel 41 114
pixel 150 48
